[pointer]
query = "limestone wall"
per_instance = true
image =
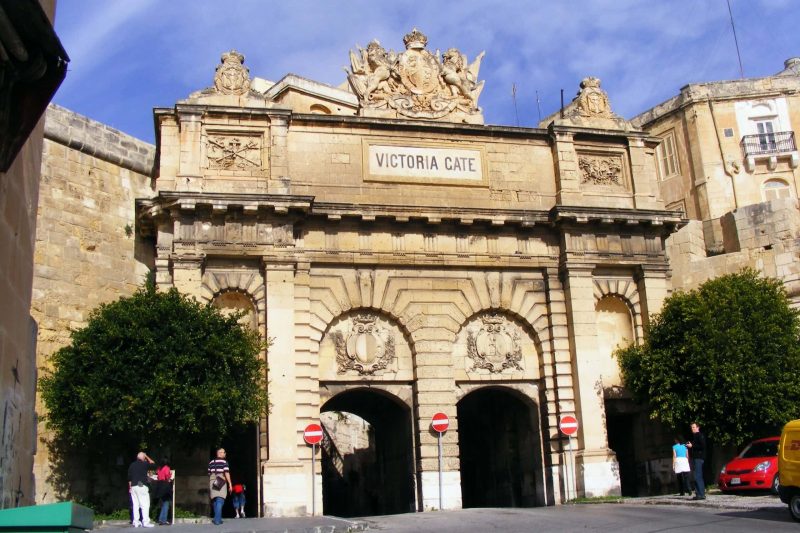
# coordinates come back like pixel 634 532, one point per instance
pixel 87 252
pixel 765 237
pixel 19 188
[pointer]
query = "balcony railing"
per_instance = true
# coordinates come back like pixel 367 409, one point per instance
pixel 768 143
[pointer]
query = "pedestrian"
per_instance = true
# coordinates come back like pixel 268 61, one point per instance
pixel 164 491
pixel 138 487
pixel 239 499
pixel 698 450
pixel 219 479
pixel 680 465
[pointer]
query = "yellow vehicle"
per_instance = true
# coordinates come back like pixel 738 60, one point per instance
pixel 789 467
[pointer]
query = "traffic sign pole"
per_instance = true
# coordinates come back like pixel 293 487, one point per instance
pixel 568 425
pixel 440 423
pixel 440 471
pixel 313 480
pixel 571 468
pixel 313 436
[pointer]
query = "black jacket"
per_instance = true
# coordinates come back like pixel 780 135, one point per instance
pixel 698 450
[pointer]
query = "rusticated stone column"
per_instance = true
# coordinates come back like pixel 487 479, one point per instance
pixel 596 465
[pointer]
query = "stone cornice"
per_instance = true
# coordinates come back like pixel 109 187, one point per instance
pixel 280 204
pixel 750 88
pixel 593 215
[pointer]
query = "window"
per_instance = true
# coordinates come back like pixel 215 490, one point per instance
pixel 668 156
pixel 775 189
pixel 766 135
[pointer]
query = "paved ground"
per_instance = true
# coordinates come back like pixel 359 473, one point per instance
pixel 658 513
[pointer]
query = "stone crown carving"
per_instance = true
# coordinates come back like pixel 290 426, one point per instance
pixel 416 83
pixel 231 76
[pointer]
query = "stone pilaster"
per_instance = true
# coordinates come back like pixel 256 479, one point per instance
pixel 566 163
pixel 187 273
pixel 596 465
pixel 643 174
pixel 191 128
pixel 279 180
pixel 558 383
pixel 436 392
pixel 286 485
pixel 654 286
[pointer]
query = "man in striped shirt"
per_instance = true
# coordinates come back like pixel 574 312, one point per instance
pixel 219 479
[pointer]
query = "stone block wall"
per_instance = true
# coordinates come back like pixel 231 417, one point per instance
pixel 765 237
pixel 19 189
pixel 87 252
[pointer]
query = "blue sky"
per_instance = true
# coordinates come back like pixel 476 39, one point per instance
pixel 129 56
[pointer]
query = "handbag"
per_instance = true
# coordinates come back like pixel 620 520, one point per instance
pixel 218 483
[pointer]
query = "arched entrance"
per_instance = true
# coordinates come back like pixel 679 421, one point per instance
pixel 500 450
pixel 367 455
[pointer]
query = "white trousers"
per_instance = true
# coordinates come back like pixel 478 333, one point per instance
pixel 141 500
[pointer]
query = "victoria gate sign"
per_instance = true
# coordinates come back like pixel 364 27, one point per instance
pixel 424 162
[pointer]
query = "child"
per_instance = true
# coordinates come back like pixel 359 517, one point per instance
pixel 238 499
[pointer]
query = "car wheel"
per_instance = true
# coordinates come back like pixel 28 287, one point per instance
pixel 776 483
pixel 794 506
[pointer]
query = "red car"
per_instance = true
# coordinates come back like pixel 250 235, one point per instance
pixel 756 468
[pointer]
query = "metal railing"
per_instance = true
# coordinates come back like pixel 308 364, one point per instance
pixel 768 143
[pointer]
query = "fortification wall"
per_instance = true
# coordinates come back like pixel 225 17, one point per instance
pixel 87 252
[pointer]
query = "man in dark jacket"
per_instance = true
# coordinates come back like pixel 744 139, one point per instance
pixel 138 488
pixel 698 452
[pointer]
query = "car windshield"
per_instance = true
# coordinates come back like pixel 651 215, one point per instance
pixel 768 448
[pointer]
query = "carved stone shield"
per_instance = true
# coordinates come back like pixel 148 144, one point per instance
pixel 419 71
pixel 367 348
pixel 495 346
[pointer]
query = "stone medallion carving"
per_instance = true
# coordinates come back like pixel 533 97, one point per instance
pixel 367 348
pixel 232 77
pixel 231 153
pixel 600 170
pixel 495 346
pixel 592 100
pixel 416 83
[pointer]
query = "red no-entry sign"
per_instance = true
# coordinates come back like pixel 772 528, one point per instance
pixel 568 425
pixel 312 434
pixel 440 422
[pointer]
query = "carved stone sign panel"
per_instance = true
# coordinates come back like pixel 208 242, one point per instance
pixel 425 162
pixel 416 83
pixel 601 170
pixel 366 348
pixel 230 152
pixel 494 345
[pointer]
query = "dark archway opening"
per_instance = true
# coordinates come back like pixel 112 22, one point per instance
pixel 500 451
pixel 367 455
pixel 242 455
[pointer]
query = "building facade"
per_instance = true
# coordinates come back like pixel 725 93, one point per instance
pixel 728 159
pixel 405 259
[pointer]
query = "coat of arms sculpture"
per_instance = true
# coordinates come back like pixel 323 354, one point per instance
pixel 495 346
pixel 416 83
pixel 367 348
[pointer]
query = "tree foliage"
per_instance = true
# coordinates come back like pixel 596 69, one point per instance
pixel 154 369
pixel 725 355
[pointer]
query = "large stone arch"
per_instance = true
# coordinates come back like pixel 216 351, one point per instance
pixel 626 290
pixel 368 451
pixel 250 284
pixel 501 446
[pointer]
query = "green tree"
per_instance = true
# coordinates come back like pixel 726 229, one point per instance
pixel 156 369
pixel 725 355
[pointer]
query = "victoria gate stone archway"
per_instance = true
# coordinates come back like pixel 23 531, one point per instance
pixel 500 449
pixel 367 459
